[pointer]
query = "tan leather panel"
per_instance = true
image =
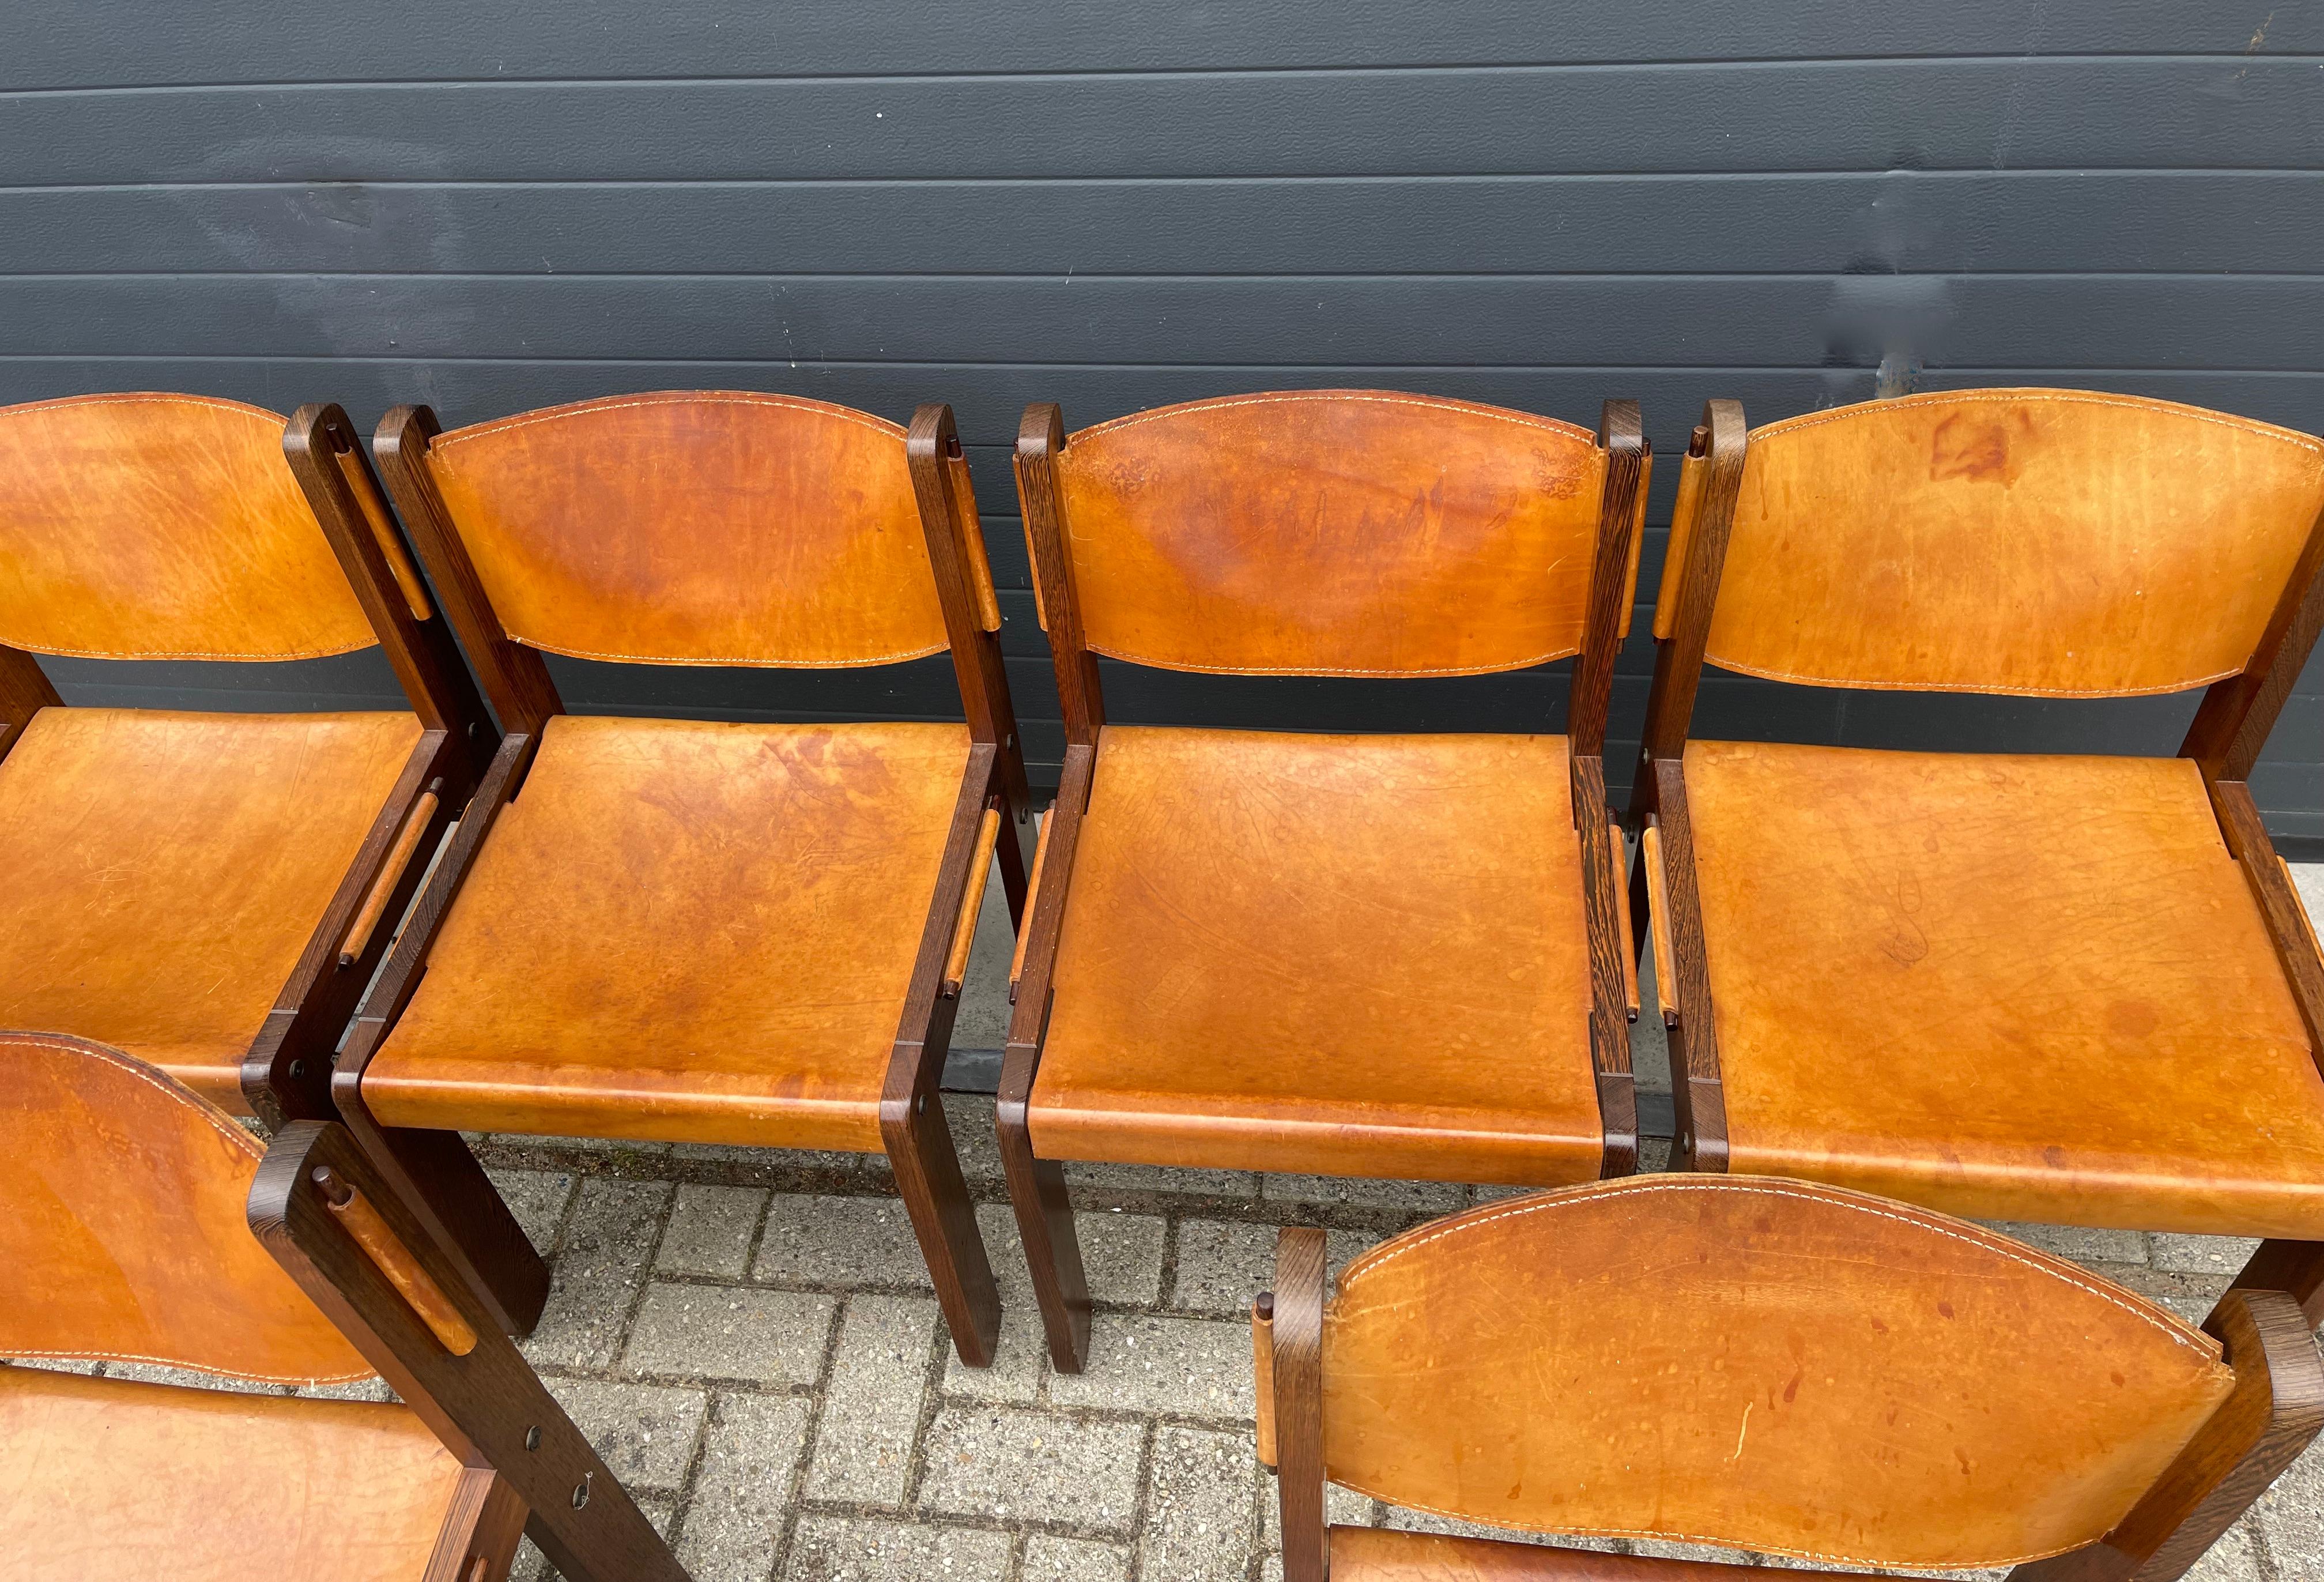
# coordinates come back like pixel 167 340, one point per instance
pixel 125 1234
pixel 1762 1365
pixel 2030 989
pixel 154 526
pixel 697 527
pixel 106 1478
pixel 1332 532
pixel 1352 955
pixel 1383 1554
pixel 684 930
pixel 164 871
pixel 2032 542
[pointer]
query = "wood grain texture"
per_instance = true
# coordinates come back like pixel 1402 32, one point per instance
pixel 1831 1376
pixel 24 691
pixel 696 527
pixel 1700 1098
pixel 415 825
pixel 2075 1009
pixel 1613 574
pixel 1339 1007
pixel 1301 1443
pixel 1334 532
pixel 2032 542
pixel 685 931
pixel 124 1227
pixel 514 677
pixel 153 526
pixel 487 1407
pixel 1689 590
pixel 170 924
pixel 2289 926
pixel 1040 489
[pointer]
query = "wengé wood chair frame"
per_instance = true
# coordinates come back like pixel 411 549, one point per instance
pixel 137 1221
pixel 1323 532
pixel 151 526
pixel 1760 1365
pixel 2067 544
pixel 706 528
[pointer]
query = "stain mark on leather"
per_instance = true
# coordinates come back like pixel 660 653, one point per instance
pixel 1981 446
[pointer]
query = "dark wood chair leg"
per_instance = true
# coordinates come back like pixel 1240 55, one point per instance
pixel 935 1197
pixel 1045 1222
pixel 2296 1268
pixel 440 1181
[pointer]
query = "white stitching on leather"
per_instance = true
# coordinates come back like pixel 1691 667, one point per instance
pixel 670 398
pixel 757 664
pixel 1839 1197
pixel 1380 398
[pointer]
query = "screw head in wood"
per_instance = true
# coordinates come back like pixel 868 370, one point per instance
pixel 581 1490
pixel 336 1191
pixel 532 1437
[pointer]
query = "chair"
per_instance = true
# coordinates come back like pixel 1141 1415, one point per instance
pixel 2070 989
pixel 1365 956
pixel 211 891
pixel 127 1207
pixel 689 931
pixel 1763 1365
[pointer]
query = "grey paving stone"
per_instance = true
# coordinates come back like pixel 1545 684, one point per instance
pixel 969 1117
pixel 729 1332
pixel 533 1565
pixel 2236 1559
pixel 1121 1253
pixel 1073 1560
pixel 1654 1152
pixel 1199 1508
pixel 1408 1520
pixel 2184 1254
pixel 1015 1374
pixel 1163 1181
pixel 645 1432
pixel 1003 1464
pixel 69 1364
pixel 189 1378
pixel 2290 1517
pixel 872 1406
pixel 710 1230
pixel 361 1390
pixel 606 1145
pixel 538 1199
pixel 847 1549
pixel 1356 1192
pixel 1222 1264
pixel 1190 1367
pixel 743 1487
pixel 851 1241
pixel 607 1241
pixel 2079 1243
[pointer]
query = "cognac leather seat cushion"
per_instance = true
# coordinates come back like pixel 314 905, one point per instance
pixel 1348 955
pixel 684 930
pixel 2033 988
pixel 165 871
pixel 109 1478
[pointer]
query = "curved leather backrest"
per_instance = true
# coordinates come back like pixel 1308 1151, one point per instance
pixel 697 527
pixel 123 1227
pixel 1332 532
pixel 151 526
pixel 1759 1364
pixel 2022 541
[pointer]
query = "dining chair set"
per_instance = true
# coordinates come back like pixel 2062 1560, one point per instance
pixel 1897 985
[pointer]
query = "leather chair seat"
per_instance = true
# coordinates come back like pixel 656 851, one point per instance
pixel 2009 987
pixel 113 1477
pixel 1346 955
pixel 684 930
pixel 165 871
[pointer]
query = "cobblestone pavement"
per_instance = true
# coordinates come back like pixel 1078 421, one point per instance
pixel 751 1340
